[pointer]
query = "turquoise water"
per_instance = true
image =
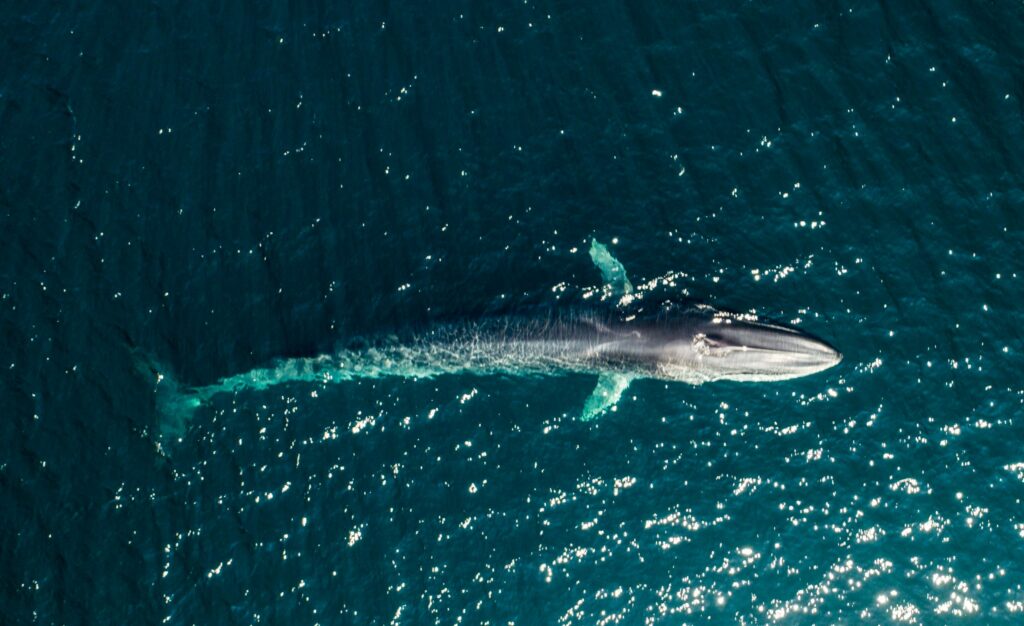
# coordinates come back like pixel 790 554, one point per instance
pixel 223 186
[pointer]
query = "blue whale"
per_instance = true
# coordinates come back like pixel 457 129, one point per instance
pixel 616 343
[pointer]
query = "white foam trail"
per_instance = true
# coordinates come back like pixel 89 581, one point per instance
pixel 538 347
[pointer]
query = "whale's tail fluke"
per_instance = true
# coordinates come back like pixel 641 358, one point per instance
pixel 175 403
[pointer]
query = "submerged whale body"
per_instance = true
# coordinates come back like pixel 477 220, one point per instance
pixel 694 345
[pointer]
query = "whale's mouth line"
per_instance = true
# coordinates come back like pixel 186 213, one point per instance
pixel 716 346
pixel 783 351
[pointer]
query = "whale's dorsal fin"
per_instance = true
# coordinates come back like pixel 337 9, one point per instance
pixel 612 272
pixel 606 395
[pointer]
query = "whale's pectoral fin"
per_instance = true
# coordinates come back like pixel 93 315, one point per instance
pixel 606 395
pixel 612 271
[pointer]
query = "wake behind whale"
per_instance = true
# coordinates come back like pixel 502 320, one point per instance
pixel 618 344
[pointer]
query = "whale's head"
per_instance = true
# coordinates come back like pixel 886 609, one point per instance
pixel 744 348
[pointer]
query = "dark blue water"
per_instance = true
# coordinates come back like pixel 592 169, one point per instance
pixel 219 185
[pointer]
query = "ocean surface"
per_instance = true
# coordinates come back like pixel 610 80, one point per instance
pixel 214 186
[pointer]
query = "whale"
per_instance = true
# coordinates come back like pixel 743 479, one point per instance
pixel 617 343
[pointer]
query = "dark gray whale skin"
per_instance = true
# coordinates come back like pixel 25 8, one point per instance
pixel 632 339
pixel 693 345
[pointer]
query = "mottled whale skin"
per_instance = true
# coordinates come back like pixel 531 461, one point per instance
pixel 616 343
pixel 692 345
